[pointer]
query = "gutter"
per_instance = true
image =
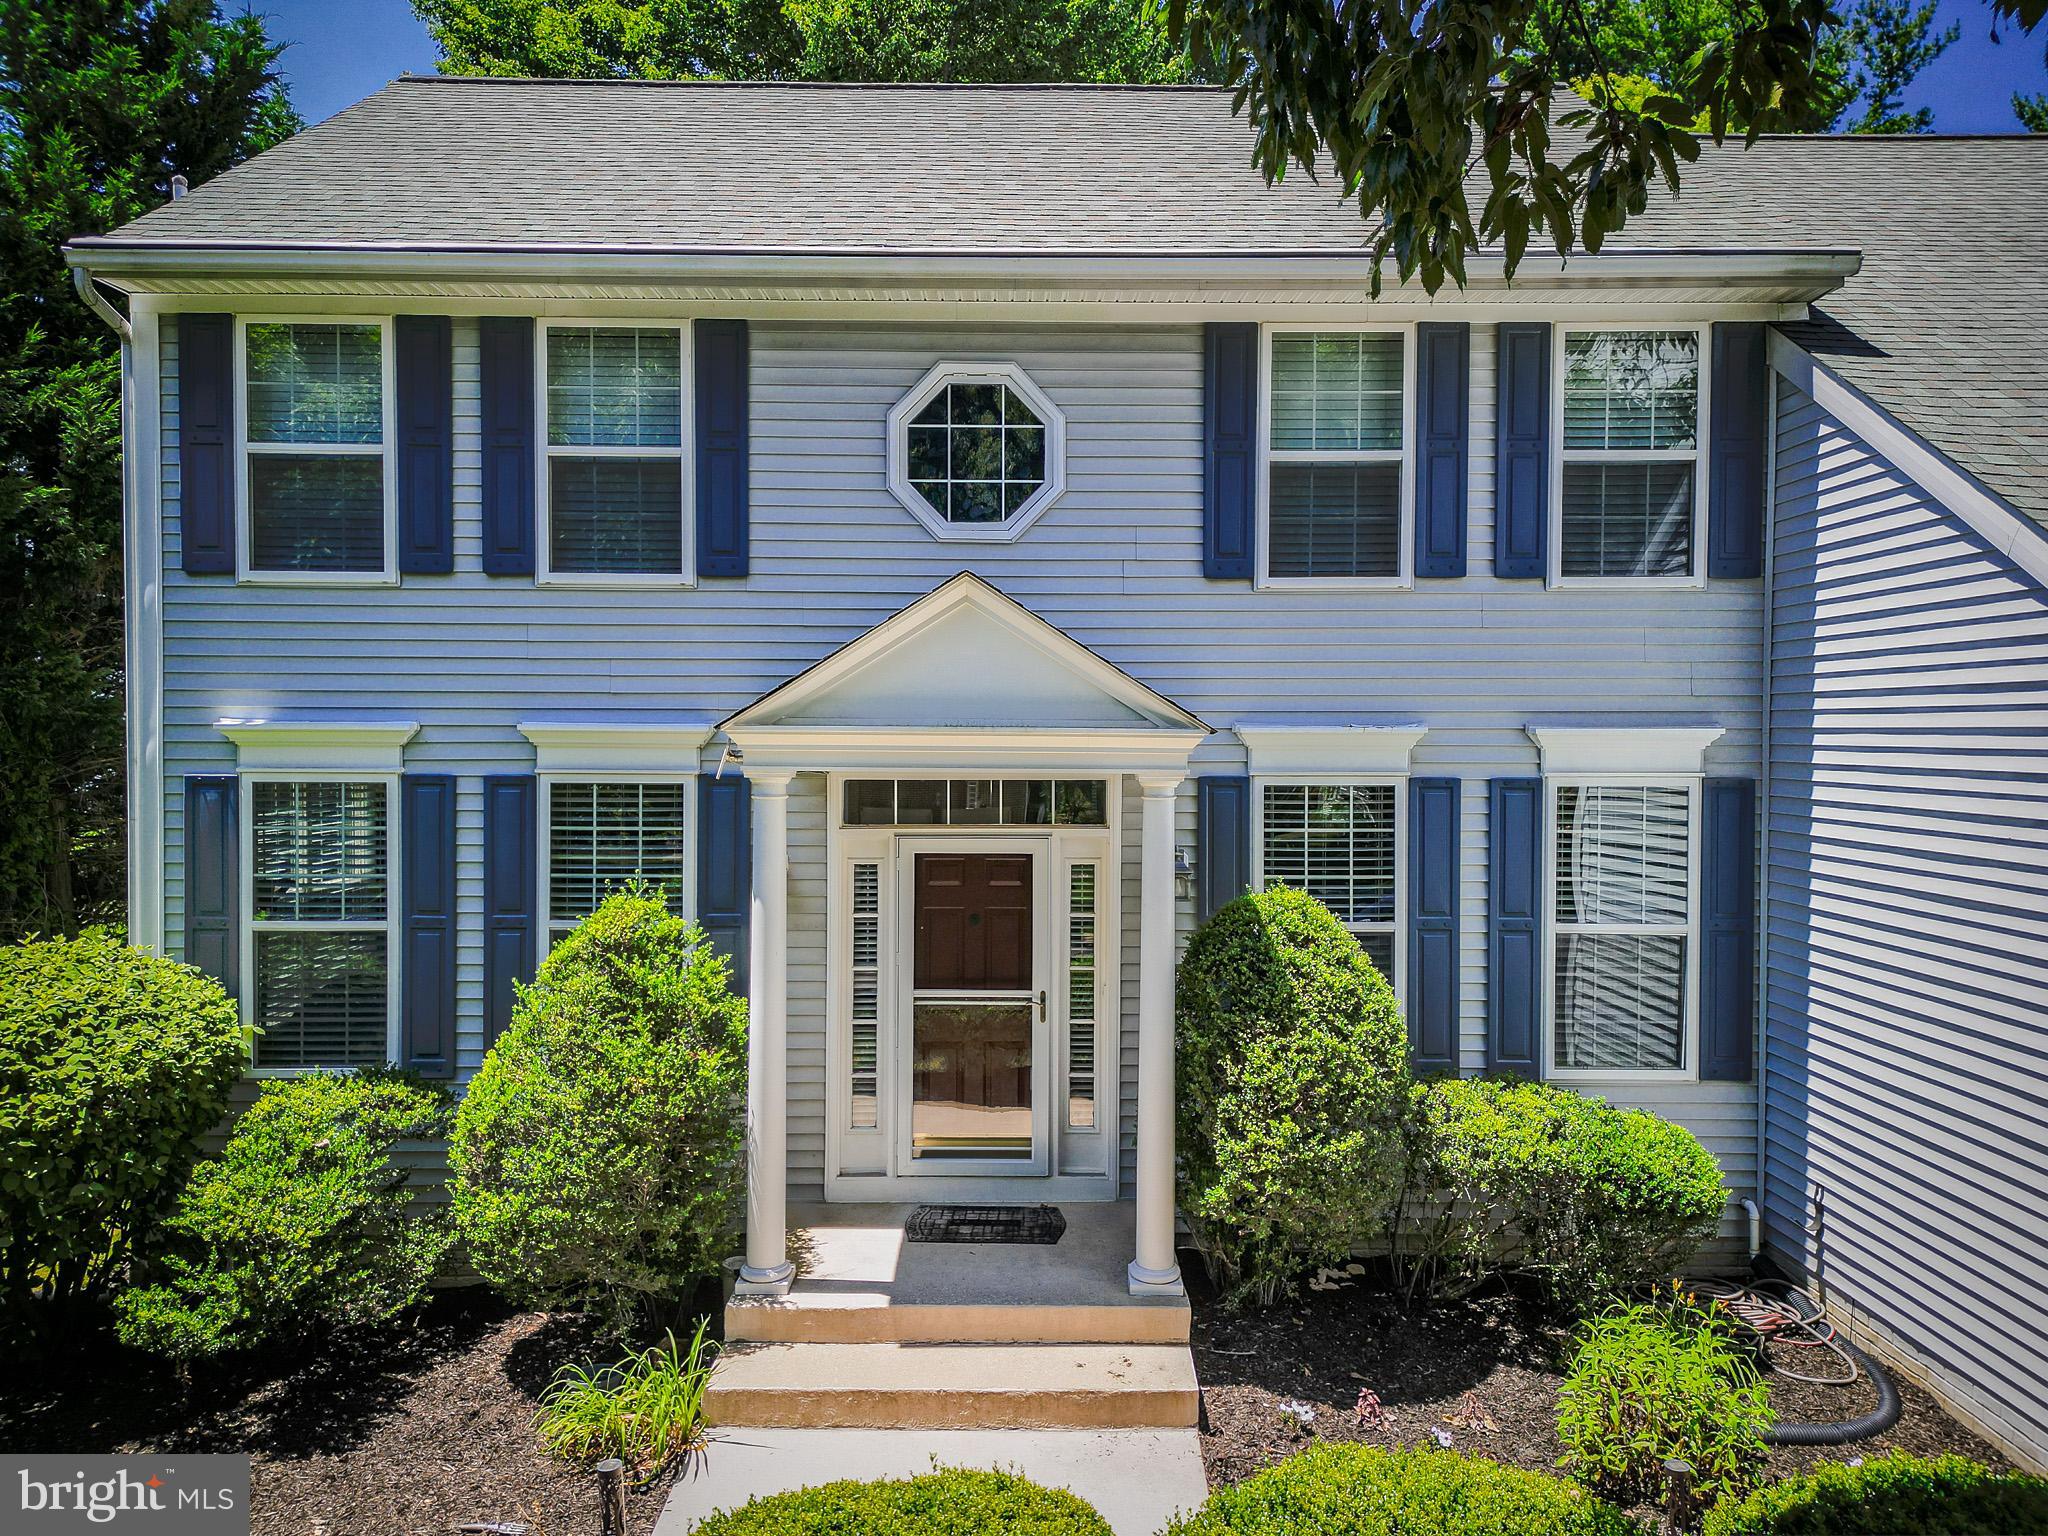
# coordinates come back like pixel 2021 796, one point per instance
pixel 88 290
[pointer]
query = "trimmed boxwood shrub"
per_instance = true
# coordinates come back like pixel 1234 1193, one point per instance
pixel 304 1221
pixel 600 1152
pixel 113 1063
pixel 950 1503
pixel 1593 1199
pixel 1361 1490
pixel 1292 1077
pixel 1894 1495
pixel 1655 1383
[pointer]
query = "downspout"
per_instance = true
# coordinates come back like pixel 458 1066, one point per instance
pixel 1751 1208
pixel 88 290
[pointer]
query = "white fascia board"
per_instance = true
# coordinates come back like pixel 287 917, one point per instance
pixel 962 750
pixel 328 746
pixel 1276 751
pixel 2003 526
pixel 583 746
pixel 1571 749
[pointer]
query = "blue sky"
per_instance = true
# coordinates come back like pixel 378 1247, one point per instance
pixel 339 53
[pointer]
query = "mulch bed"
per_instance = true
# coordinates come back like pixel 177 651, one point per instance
pixel 412 1431
pixel 1487 1370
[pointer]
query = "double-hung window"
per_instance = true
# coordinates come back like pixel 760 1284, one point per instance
pixel 1338 487
pixel 1630 424
pixel 615 469
pixel 602 834
pixel 1341 842
pixel 316 426
pixel 1623 871
pixel 319 896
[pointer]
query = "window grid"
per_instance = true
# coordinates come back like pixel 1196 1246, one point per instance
pixel 1336 456
pixel 975 802
pixel 1338 842
pixel 319 927
pixel 866 977
pixel 604 834
pixel 1622 906
pixel 976 451
pixel 1082 882
pixel 614 453
pixel 1629 413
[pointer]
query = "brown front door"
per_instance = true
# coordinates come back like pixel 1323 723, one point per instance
pixel 972 1008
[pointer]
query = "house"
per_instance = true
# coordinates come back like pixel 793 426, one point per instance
pixel 957 537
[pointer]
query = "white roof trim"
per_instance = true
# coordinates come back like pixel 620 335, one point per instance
pixel 1312 749
pixel 584 746
pixel 1624 748
pixel 963 749
pixel 364 746
pixel 2008 530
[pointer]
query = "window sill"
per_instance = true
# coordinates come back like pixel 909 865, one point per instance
pixel 624 581
pixel 1336 584
pixel 1626 583
pixel 316 579
pixel 268 1074
pixel 1580 1076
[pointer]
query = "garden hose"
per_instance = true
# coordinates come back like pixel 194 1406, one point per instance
pixel 1779 1312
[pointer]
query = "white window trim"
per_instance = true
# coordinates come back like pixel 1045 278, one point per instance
pixel 544 789
pixel 1399 783
pixel 1405 458
pixel 246 900
pixel 1695 455
pixel 685 453
pixel 1011 528
pixel 245 519
pixel 1688 1070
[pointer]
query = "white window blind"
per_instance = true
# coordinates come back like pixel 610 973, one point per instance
pixel 320 906
pixel 1335 455
pixel 1336 842
pixel 866 993
pixel 1623 909
pixel 601 836
pixel 1083 881
pixel 1630 461
pixel 615 455
pixel 314 396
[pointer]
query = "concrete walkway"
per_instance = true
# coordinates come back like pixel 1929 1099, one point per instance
pixel 1137 1479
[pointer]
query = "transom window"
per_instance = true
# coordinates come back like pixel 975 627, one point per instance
pixel 1336 456
pixel 314 429
pixel 614 456
pixel 1341 844
pixel 320 922
pixel 976 803
pixel 1622 896
pixel 976 451
pixel 1629 466
pixel 601 836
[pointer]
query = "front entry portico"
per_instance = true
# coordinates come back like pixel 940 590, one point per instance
pixel 977 768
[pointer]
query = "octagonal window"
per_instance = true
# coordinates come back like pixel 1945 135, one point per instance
pixel 975 450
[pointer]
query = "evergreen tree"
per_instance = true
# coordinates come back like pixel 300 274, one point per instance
pixel 101 102
pixel 2032 111
pixel 1892 41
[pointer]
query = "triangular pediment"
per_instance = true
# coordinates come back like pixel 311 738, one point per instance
pixel 965 657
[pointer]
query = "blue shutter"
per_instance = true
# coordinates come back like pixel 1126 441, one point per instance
pixel 1230 457
pixel 1728 930
pixel 720 347
pixel 505 376
pixel 1443 446
pixel 725 868
pixel 213 880
pixel 1740 412
pixel 511 893
pixel 206 444
pixel 1514 940
pixel 1433 844
pixel 1223 841
pixel 1521 479
pixel 426 953
pixel 425 371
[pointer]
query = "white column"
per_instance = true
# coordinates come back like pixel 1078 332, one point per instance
pixel 1154 1272
pixel 767 1270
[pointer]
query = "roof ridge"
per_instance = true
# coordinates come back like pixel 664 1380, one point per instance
pixel 410 78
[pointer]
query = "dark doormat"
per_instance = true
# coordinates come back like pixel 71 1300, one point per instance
pixel 985 1224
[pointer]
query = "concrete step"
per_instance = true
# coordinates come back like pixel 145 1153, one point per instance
pixel 953 1386
pixel 865 1317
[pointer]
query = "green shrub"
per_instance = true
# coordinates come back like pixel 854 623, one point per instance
pixel 1594 1200
pixel 647 1410
pixel 1894 1495
pixel 600 1153
pixel 949 1503
pixel 1292 1068
pixel 1655 1383
pixel 1361 1490
pixel 303 1221
pixel 112 1064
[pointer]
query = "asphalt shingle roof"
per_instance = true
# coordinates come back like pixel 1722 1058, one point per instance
pixel 1946 326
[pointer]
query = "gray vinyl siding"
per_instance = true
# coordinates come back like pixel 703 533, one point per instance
pixel 1115 563
pixel 1906 1035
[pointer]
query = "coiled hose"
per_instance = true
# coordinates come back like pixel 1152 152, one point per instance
pixel 1780 1312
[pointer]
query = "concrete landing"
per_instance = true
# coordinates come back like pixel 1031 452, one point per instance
pixel 1137 1479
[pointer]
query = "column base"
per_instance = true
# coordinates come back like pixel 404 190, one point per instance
pixel 1155 1282
pixel 764 1282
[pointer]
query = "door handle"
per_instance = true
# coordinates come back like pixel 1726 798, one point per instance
pixel 1041 1005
